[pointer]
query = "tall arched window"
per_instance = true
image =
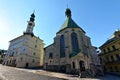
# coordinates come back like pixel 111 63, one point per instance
pixel 62 46
pixel 74 42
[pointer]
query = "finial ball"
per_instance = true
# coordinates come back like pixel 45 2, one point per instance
pixel 68 12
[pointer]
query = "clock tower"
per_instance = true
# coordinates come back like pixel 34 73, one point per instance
pixel 30 25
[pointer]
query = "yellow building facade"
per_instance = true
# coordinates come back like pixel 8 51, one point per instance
pixel 110 53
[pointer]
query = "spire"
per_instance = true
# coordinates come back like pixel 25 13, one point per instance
pixel 32 17
pixel 68 12
pixel 69 22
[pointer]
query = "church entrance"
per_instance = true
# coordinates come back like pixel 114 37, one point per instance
pixel 82 65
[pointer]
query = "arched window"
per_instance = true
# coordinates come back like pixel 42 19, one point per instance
pixel 62 46
pixel 73 64
pixel 74 42
pixel 50 55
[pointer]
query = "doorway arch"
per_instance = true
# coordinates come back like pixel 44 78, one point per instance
pixel 82 65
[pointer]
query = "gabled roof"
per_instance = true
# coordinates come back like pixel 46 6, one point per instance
pixel 69 23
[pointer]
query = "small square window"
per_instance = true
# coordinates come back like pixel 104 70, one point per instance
pixel 33 60
pixel 119 35
pixel 108 49
pixel 50 55
pixel 104 51
pixel 118 57
pixel 21 58
pixel 112 59
pixel 113 47
pixel 34 53
pixel 35 46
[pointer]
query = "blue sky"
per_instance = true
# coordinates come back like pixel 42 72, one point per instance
pixel 99 18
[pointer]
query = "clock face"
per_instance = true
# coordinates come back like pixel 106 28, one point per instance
pixel 30 24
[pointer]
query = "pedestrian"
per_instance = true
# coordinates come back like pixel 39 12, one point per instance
pixel 79 73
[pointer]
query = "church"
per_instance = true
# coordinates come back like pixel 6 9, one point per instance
pixel 71 50
pixel 26 50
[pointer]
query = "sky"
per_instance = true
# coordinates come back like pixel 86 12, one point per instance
pixel 98 18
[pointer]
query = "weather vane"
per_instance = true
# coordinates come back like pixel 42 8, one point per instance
pixel 33 11
pixel 67 5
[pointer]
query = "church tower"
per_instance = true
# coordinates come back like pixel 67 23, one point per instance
pixel 30 25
